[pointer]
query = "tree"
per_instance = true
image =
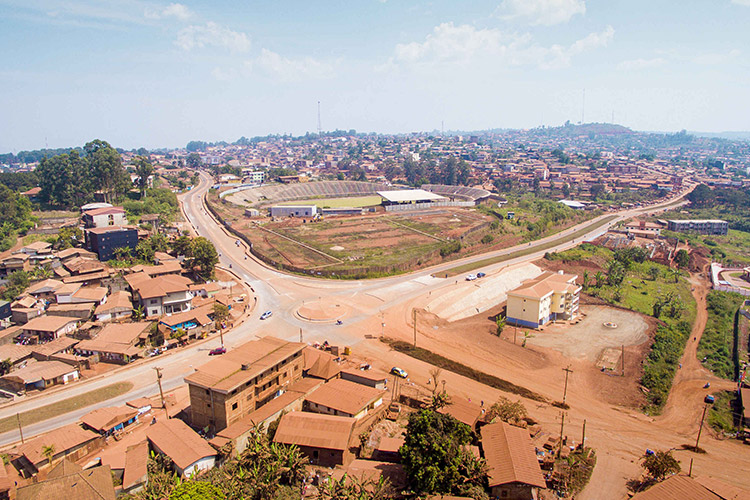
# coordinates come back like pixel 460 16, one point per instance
pixel 507 411
pixel 48 451
pixel 499 325
pixel 586 280
pixel 653 273
pixel 194 161
pixel 596 190
pixel 105 167
pixel 143 169
pixel 435 457
pixel 5 366
pixel 615 272
pixel 566 190
pixel 660 464
pixel 182 246
pixel 221 312
pixel 682 258
pixel 599 277
pixel 197 490
pixel 203 258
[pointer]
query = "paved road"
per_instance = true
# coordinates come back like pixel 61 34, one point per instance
pixel 283 294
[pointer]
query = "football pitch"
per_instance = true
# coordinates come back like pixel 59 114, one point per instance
pixel 351 201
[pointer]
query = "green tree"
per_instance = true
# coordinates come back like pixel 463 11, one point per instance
pixel 5 366
pixel 197 490
pixel 682 258
pixel 194 161
pixel 435 457
pixel 203 258
pixel 660 464
pixel 499 325
pixel 143 169
pixel 221 312
pixel 48 451
pixel 615 272
pixel 182 246
pixel 597 190
pixel 653 273
pixel 105 167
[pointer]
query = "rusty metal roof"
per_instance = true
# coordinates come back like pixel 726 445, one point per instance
pixel 224 373
pixel 345 396
pixel 677 487
pixel 315 430
pixel 510 456
pixel 179 442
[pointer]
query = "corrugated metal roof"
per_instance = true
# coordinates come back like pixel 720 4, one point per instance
pixel 225 372
pixel 179 442
pixel 89 484
pixel 63 438
pixel 315 430
pixel 345 396
pixel 510 456
pixel 136 461
pixel 677 488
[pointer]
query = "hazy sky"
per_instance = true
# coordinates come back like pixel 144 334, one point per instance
pixel 151 74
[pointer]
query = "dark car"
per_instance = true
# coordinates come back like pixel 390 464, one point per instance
pixel 217 350
pixel 399 372
pixel 481 275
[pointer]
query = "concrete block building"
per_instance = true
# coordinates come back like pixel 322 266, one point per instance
pixel 548 297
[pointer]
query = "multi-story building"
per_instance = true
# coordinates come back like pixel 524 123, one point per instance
pixel 641 227
pixel 703 226
pixel 103 241
pixel 167 294
pixel 234 385
pixel 548 297
pixel 104 217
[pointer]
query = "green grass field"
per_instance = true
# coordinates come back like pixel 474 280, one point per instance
pixel 353 201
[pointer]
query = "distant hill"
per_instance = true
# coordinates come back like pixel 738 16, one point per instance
pixel 732 136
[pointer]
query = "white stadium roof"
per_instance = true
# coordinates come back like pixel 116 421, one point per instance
pixel 410 195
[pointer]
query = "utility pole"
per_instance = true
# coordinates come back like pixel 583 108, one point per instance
pixel 622 356
pixel 583 436
pixel 690 472
pixel 567 371
pixel 161 392
pixel 700 429
pixel 300 335
pixel 414 320
pixel 562 430
pixel 20 430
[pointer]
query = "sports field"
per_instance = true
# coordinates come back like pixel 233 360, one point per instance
pixel 352 201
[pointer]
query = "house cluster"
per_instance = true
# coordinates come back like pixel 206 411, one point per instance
pixel 320 401
pixel 87 313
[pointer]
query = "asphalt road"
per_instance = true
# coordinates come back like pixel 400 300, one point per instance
pixel 283 294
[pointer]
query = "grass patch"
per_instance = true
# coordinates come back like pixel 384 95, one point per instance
pixel 65 406
pixel 717 345
pixel 722 412
pixel 525 251
pixel 461 369
pixel 644 285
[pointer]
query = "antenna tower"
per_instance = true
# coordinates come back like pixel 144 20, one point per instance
pixel 320 129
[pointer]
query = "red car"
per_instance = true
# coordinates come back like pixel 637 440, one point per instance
pixel 218 350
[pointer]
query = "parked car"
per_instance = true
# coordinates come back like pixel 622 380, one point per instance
pixel 471 277
pixel 218 350
pixel 399 372
pixel 266 315
pixel 709 399
pixel 481 275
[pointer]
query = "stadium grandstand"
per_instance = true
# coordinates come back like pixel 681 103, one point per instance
pixel 306 190
pixel 460 192
pixel 406 196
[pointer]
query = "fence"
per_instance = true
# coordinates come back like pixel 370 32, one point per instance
pixel 339 273
pixel 432 204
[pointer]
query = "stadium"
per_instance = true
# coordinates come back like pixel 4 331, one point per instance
pixel 355 229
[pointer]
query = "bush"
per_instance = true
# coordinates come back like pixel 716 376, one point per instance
pixel 487 239
pixel 450 248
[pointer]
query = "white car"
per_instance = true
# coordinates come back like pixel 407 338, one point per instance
pixel 266 315
pixel 471 277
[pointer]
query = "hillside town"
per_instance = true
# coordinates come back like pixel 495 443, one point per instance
pixel 228 378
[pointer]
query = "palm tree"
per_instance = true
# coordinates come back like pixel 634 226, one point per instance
pixel 49 452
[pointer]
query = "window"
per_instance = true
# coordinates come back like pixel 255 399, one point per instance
pixel 153 301
pixel 207 391
pixel 234 406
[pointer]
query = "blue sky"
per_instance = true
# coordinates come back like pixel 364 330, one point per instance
pixel 142 73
